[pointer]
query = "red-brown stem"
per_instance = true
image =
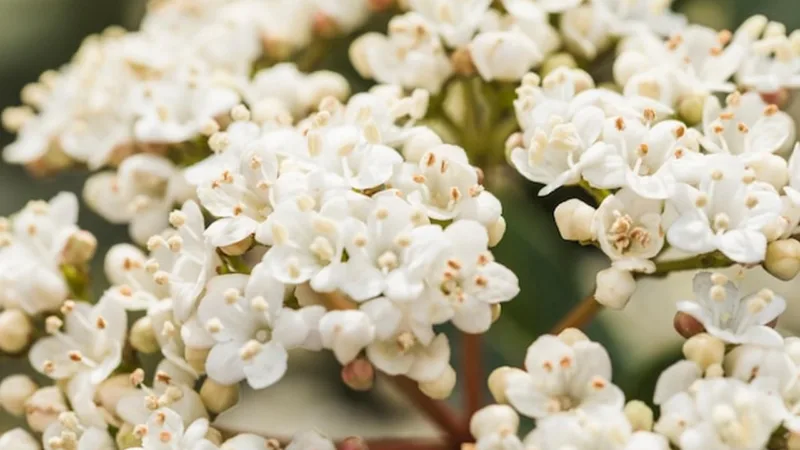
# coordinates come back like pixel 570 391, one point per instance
pixel 407 444
pixel 580 315
pixel 436 410
pixel 473 374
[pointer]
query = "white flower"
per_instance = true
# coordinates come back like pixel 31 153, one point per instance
pixel 723 414
pixel 346 333
pixel 767 364
pixel 69 432
pixel 773 63
pixel 405 354
pixel 637 156
pixel 627 16
pixel 91 342
pixel 747 125
pixel 238 137
pixel 390 252
pixel 165 430
pixel 503 55
pixel 465 281
pixel 454 20
pixel 528 8
pixel 251 328
pixel 628 229
pixel 495 428
pixel 727 213
pixel 18 439
pixel 296 91
pixel 725 314
pixel 411 55
pixel 561 378
pixel 131 274
pixel 586 31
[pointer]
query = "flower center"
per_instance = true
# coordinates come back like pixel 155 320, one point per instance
pixel 623 234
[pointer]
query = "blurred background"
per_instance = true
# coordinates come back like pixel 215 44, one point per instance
pixel 36 35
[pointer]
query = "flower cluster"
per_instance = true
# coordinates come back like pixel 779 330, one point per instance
pixel 737 387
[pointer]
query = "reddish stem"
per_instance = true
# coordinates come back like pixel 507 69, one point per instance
pixel 437 410
pixel 407 444
pixel 579 316
pixel 473 374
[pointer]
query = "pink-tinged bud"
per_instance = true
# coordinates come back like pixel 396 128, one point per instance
pixel 686 325
pixel 353 443
pixel 358 375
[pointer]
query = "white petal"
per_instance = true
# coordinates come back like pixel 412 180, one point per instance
pixel 675 379
pixel 267 367
pixel 224 363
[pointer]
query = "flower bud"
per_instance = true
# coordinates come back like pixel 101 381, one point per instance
pixel 218 397
pixel 496 231
pixel 704 350
pixel 497 382
pixel 214 435
pixel 461 60
pixel 358 375
pixel 574 220
pixel 325 83
pixel 143 336
pixel 614 288
pixel 557 60
pixel 359 53
pixel 238 248
pixel 570 336
pixel 715 371
pixel 686 325
pixel 503 55
pixel 14 392
pixel 494 419
pixel 196 357
pixel 15 330
pixel 690 109
pixel 110 391
pixel 639 415
pixel 497 309
pixel 18 439
pixel 353 443
pixel 628 64
pixel 43 408
pixel 783 259
pixel 419 143
pixel 770 168
pixel 126 438
pixel 441 387
pixel 80 248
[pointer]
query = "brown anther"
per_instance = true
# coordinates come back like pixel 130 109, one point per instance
pixel 715 51
pixel 101 323
pixel 418 178
pixel 771 110
pixel 620 123
pixel 547 366
pixel 742 128
pixel 430 159
pixel 125 290
pixel 163 377
pixel 454 264
pixel 727 115
pixel 565 362
pixel 75 356
pixel 643 149
pixel 481 281
pixel 598 383
pixel 649 115
pixel 724 37
pixel 680 131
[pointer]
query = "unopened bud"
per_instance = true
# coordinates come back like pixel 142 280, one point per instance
pixel 628 64
pixel 18 439
pixel 43 408
pixel 218 397
pixel 704 350
pixel 497 309
pixel 419 143
pixel 686 325
pixel 214 435
pixel 496 231
pixel 494 419
pixel 574 220
pixel 614 287
pixel 14 392
pixel 358 375
pixel 143 336
pixel 16 330
pixel 353 443
pixel 196 357
pixel 497 382
pixel 557 60
pixel 112 390
pixel 770 168
pixel 127 437
pixel 783 259
pixel 441 387
pixel 462 63
pixel 238 248
pixel 571 336
pixel 80 248
pixel 639 415
pixel 715 371
pixel 690 109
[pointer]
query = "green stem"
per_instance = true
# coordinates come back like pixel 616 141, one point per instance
pixel 597 194
pixel 713 260
pixel 77 278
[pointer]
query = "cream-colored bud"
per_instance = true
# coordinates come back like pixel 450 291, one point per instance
pixel 557 60
pixel 770 168
pixel 18 439
pixel 704 350
pixel 442 387
pixel 238 248
pixel 494 419
pixel 196 357
pixel 43 408
pixel 574 220
pixel 358 53
pixel 143 336
pixel 80 248
pixel 571 336
pixel 16 330
pixel 783 259
pixel 353 443
pixel 218 397
pixel 715 371
pixel 628 64
pixel 497 309
pixel 14 392
pixel 690 109
pixel 614 288
pixel 496 231
pixel 639 415
pixel 497 382
pixel 419 143
pixel 793 441
pixel 214 435
pixel 324 83
pixel 126 437
pixel 110 391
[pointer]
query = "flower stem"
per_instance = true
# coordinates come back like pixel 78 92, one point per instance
pixel 473 374
pixel 579 316
pixel 713 260
pixel 436 410
pixel 408 444
pixel 597 194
